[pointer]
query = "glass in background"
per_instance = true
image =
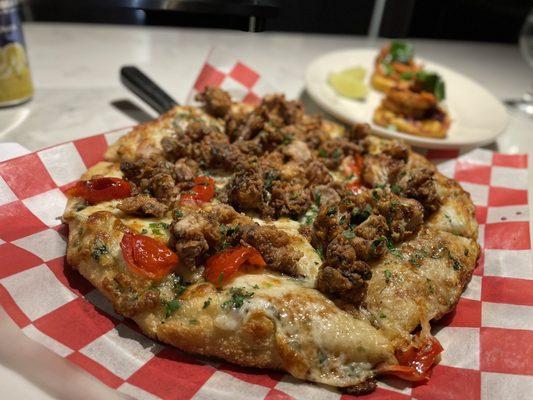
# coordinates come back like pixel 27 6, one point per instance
pixel 525 104
pixel 15 79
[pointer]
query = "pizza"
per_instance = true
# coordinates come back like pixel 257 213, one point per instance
pixel 275 239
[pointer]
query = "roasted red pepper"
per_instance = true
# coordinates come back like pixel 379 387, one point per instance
pixel 221 266
pixel 100 189
pixel 415 363
pixel 203 191
pixel 147 256
pixel 355 187
pixel 353 168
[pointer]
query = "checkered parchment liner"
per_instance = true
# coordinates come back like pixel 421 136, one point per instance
pixel 488 340
pixel 222 69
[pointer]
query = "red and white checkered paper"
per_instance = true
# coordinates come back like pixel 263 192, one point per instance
pixel 488 340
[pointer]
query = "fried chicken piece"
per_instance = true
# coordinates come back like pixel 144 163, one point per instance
pixel 409 103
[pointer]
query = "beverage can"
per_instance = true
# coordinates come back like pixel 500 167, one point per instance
pixel 15 78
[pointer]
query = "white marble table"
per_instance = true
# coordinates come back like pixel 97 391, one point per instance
pixel 75 69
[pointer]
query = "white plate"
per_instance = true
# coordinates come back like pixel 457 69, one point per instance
pixel 477 116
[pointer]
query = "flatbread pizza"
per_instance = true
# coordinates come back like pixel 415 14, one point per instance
pixel 275 239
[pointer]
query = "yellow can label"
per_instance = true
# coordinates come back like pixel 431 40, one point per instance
pixel 15 77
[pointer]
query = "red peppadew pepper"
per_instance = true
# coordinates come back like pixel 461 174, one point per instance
pixel 353 170
pixel 100 189
pixel 147 257
pixel 415 363
pixel 221 266
pixel 202 192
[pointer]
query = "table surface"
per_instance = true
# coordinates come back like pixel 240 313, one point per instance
pixel 78 93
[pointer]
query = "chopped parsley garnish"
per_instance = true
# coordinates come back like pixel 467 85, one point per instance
pixel 381 315
pixel 156 227
pixel 393 250
pixel 431 82
pixel 401 52
pixel 331 212
pixel 256 286
pixel 144 231
pixel 348 234
pixel 193 321
pixel 99 249
pixel 388 275
pixel 318 197
pixel 337 154
pixel 322 357
pixel 172 306
pixel 323 153
pixel 207 303
pixel 456 264
pixel 287 139
pixel 396 189
pixel 359 216
pixel 228 233
pixel 375 195
pixel 226 230
pixel 407 76
pixel 311 214
pixel 238 296
pixel 430 286
pixel 320 252
pixel 178 214
pixel 415 259
pixel 178 285
pixel 270 177
pixel 347 202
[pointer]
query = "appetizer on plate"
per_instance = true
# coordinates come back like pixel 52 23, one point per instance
pixel 275 239
pixel 394 66
pixel 414 108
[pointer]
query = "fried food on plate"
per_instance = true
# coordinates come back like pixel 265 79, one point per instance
pixel 275 239
pixel 415 108
pixel 394 66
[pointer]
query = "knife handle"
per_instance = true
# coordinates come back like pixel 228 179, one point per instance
pixel 146 89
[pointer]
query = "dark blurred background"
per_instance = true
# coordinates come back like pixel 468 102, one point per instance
pixel 478 20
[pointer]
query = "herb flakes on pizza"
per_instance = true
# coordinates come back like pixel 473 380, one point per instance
pixel 275 239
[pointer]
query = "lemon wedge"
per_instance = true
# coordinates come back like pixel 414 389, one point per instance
pixel 350 83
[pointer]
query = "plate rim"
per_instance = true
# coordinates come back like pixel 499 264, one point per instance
pixel 422 142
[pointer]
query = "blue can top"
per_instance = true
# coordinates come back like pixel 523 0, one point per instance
pixel 10 28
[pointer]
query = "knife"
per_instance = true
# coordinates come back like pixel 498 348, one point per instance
pixel 146 89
